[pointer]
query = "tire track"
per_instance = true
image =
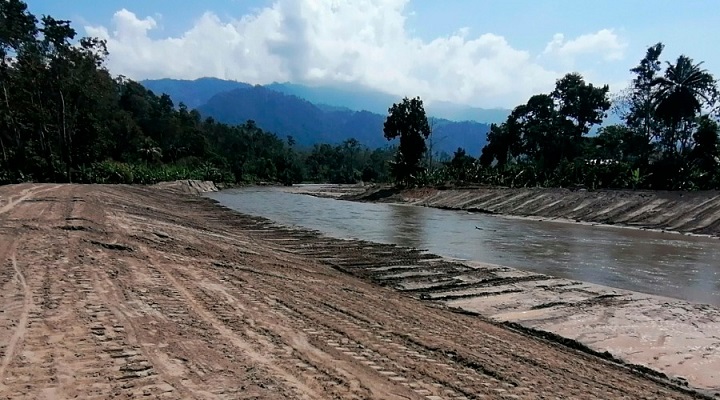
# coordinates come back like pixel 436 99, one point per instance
pixel 19 331
pixel 142 293
pixel 466 372
pixel 227 334
pixel 25 195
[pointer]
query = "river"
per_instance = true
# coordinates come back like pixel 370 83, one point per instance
pixel 672 265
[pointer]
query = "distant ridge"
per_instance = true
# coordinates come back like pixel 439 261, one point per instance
pixel 311 115
pixel 350 96
pixel 192 93
pixel 310 124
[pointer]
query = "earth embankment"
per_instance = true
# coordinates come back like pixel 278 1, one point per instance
pixel 686 212
pixel 189 186
pixel 140 292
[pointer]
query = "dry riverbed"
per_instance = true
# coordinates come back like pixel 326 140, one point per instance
pixel 131 292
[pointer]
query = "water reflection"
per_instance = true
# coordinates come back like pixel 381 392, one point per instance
pixel 651 262
pixel 406 226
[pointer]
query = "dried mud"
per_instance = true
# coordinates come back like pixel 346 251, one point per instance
pixel 130 292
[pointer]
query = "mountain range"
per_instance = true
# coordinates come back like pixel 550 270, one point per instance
pixel 313 115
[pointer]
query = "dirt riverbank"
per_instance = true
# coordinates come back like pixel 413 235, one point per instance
pixel 685 212
pixel 132 292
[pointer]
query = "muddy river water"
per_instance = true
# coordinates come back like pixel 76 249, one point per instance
pixel 672 265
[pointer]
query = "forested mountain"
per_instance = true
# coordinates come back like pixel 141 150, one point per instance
pixel 309 124
pixel 192 93
pixel 350 96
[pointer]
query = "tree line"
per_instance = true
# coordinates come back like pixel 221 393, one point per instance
pixel 668 138
pixel 65 118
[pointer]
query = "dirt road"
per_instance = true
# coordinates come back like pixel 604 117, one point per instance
pixel 127 292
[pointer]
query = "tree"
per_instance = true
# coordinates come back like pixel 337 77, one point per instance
pixel 461 165
pixel 504 142
pixel 705 155
pixel 683 91
pixel 407 120
pixel 640 115
pixel 539 127
pixel 635 106
pixel 580 106
pixel 17 30
pixel 619 143
pixel 679 96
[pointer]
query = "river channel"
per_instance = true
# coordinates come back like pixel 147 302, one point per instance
pixel 672 265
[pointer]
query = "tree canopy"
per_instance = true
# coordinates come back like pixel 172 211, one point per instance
pixel 64 118
pixel 407 120
pixel 668 138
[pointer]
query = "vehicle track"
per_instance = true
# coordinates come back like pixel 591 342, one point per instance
pixel 115 291
pixel 19 331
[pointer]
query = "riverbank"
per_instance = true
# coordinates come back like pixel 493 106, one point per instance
pixel 127 291
pixel 683 212
pixel 189 186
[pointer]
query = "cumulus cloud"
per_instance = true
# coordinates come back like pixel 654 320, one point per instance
pixel 362 42
pixel 605 43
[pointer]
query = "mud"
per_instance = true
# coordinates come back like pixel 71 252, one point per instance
pixel 684 212
pixel 131 292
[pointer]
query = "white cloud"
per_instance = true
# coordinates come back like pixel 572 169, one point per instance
pixel 352 41
pixel 604 43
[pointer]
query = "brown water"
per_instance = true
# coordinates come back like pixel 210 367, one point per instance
pixel 672 265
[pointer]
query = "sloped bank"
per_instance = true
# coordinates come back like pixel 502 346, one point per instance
pixel 189 186
pixel 666 338
pixel 685 212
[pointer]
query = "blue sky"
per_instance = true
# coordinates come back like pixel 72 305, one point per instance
pixel 477 52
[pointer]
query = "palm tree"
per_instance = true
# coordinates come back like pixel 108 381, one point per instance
pixel 683 91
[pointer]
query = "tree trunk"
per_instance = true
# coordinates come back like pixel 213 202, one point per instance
pixel 2 144
pixel 12 121
pixel 66 140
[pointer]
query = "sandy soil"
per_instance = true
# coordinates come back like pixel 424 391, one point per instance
pixel 128 292
pixel 686 212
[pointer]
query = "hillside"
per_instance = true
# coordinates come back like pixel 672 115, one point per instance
pixel 351 96
pixel 192 93
pixel 356 97
pixel 309 124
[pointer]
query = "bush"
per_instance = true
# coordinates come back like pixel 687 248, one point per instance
pixel 110 172
pixel 113 172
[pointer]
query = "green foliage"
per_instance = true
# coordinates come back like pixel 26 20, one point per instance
pixel 682 91
pixel 110 172
pixel 665 143
pixel 461 166
pixel 407 120
pixel 63 117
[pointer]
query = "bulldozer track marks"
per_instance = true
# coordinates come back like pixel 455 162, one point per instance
pixel 204 303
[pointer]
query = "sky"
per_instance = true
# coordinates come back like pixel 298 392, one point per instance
pixel 483 53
